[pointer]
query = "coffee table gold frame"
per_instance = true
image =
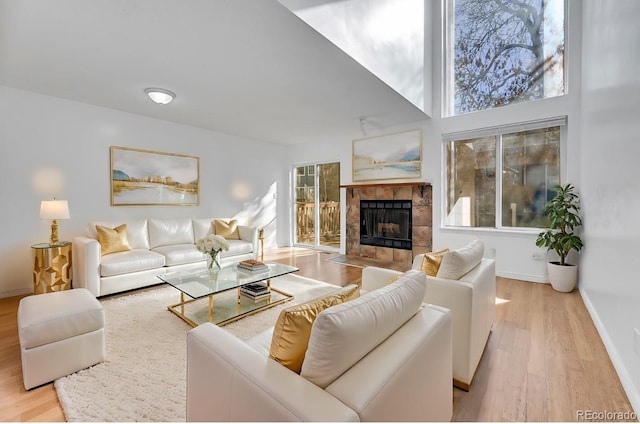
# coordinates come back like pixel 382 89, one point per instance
pixel 178 308
pixel 198 283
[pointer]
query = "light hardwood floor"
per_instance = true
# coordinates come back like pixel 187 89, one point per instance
pixel 544 360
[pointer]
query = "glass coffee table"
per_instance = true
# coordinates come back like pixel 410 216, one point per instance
pixel 222 289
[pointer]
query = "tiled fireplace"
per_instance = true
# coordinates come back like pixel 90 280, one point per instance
pixel 390 242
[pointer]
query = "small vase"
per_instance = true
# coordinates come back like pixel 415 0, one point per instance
pixel 213 266
pixel 212 262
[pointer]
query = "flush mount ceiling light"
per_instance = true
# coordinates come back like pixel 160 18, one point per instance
pixel 160 95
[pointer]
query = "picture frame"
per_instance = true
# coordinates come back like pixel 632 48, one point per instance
pixel 145 177
pixel 385 157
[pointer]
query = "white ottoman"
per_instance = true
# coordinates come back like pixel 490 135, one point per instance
pixel 60 333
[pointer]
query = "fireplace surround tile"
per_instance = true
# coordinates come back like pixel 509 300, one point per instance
pixel 384 254
pixel 421 216
pixel 403 256
pixel 421 198
pixel 402 193
pixel 384 192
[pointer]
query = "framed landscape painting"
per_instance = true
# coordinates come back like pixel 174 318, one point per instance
pixel 144 177
pixel 387 157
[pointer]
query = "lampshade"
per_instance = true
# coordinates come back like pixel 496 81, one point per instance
pixel 54 209
pixel 160 95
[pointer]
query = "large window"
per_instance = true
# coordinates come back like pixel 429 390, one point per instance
pixel 502 52
pixel 502 177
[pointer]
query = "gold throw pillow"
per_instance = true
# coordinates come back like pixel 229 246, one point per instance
pixel 431 262
pixel 394 279
pixel 293 328
pixel 228 230
pixel 113 239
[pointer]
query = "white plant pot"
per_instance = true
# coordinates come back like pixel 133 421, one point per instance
pixel 563 278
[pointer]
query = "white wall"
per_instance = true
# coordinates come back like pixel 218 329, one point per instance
pixel 610 189
pixel 55 147
pixel 513 251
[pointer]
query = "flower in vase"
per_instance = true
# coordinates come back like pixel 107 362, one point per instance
pixel 212 245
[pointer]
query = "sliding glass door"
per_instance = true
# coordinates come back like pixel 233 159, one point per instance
pixel 317 205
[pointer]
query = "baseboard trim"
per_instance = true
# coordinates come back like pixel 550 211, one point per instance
pixel 522 277
pixel 623 374
pixel 460 385
pixel 17 292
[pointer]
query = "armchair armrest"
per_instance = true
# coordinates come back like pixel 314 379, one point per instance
pixel 227 380
pixel 374 277
pixel 472 303
pixel 86 264
pixel 250 234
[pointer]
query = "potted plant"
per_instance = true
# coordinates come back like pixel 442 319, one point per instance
pixel 564 217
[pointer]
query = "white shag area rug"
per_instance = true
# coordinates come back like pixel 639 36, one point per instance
pixel 144 375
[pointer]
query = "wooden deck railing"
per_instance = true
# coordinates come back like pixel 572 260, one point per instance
pixel 329 221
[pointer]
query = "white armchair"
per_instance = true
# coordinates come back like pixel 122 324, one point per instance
pixel 471 300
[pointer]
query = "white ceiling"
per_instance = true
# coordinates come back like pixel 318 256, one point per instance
pixel 244 67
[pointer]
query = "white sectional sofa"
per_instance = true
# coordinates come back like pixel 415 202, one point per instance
pixel 381 357
pixel 470 295
pixel 157 246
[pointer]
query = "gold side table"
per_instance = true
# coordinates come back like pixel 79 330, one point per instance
pixel 52 267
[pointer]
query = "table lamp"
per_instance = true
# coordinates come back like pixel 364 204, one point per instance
pixel 54 209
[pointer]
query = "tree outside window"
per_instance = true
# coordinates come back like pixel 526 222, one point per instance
pixel 505 51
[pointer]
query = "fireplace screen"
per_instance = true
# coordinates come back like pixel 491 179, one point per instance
pixel 386 223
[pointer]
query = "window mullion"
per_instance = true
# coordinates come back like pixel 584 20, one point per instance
pixel 499 169
pixel 316 200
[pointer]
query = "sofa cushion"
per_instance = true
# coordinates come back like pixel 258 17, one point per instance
pixel 457 263
pixel 202 227
pixel 177 254
pixel 137 231
pixel 228 230
pixel 113 240
pixel 293 327
pixel 237 247
pixel 131 261
pixel 164 232
pixel 343 334
pixel 261 342
pixel 431 262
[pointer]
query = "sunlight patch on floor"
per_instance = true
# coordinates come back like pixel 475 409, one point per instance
pixel 500 301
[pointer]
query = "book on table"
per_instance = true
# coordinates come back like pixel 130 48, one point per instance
pixel 252 265
pixel 256 299
pixel 255 290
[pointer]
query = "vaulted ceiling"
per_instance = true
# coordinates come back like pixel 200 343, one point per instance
pixel 244 67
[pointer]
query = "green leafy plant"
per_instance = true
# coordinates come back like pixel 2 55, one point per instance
pixel 564 216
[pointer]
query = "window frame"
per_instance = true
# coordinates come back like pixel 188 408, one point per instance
pixel 447 59
pixel 498 131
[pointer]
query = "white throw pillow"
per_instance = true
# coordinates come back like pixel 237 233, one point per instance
pixel 457 263
pixel 345 333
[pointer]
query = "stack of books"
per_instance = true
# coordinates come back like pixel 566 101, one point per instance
pixel 256 291
pixel 252 265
